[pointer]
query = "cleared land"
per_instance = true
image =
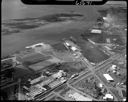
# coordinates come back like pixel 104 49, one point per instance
pixel 92 52
pixel 89 86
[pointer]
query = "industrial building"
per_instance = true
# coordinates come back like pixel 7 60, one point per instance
pixel 108 78
pixel 37 85
pixel 57 83
pixel 96 31
pixel 70 45
pixel 35 90
pixel 59 74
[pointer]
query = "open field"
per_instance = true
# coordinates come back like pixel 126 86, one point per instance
pixel 101 38
pixel 35 58
pixel 40 65
pixel 89 86
pixel 59 47
pixel 92 52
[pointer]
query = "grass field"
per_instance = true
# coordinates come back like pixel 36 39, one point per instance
pixel 92 52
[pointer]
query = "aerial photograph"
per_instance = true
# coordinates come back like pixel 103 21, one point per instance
pixel 63 52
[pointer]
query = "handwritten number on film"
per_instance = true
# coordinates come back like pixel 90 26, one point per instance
pixel 82 2
pixel 89 2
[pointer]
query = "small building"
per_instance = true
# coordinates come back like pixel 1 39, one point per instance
pixel 97 31
pixel 108 78
pixel 113 69
pixel 104 18
pixel 100 85
pixel 114 66
pixel 71 45
pixel 124 99
pixel 108 96
pixel 73 48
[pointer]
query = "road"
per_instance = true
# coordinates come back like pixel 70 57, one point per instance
pixel 97 68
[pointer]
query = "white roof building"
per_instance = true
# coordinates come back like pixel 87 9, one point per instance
pixel 96 31
pixel 113 66
pixel 108 77
pixel 108 96
pixel 100 85
pixel 67 43
pixel 113 69
pixel 73 48
pixel 124 99
pixel 104 18
pixel 35 90
pixel 58 74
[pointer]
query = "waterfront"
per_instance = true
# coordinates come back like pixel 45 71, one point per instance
pixel 17 41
